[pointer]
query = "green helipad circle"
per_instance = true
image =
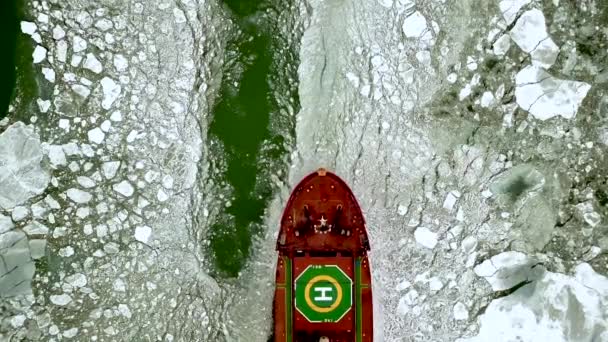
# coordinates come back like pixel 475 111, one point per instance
pixel 323 293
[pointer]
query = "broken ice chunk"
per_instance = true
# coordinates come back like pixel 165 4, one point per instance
pixel 58 33
pixel 110 168
pixel 21 174
pixel 450 200
pixel 415 25
pixel 530 34
pixel 111 91
pixel 124 188
pixel 143 234
pixel 545 96
pixel 96 135
pixel 507 269
pixel 93 64
pixel 36 228
pixel 56 155
pixel 79 196
pixel 28 27
pixel 487 100
pixel 120 63
pixel 5 224
pixel 502 45
pixel 79 44
pixel 510 8
pixel 39 54
pixel 60 300
pixel 49 74
pixel 425 237
pixel 461 313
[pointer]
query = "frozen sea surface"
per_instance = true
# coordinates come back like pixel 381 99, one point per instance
pixel 473 134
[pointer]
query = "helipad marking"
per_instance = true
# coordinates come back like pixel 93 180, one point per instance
pixel 323 298
pixel 323 293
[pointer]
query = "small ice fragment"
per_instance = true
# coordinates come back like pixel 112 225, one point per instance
pixel 96 135
pixel 43 105
pixel 79 196
pixel 501 45
pixel 49 74
pixel 85 182
pixel 143 234
pixel 487 99
pixel 116 116
pixel 415 25
pixel 79 44
pixel 510 8
pixel 93 64
pixel 58 33
pixel 450 201
pixel 60 300
pixel 81 90
pixel 39 54
pixel 104 24
pixel 56 155
pixel 162 196
pixel 403 285
pixel 425 237
pixel 111 91
pixel 401 210
pixel 435 284
pixel 124 188
pixel 167 182
pixel 110 168
pixel 120 63
pixel 28 27
pixel 461 313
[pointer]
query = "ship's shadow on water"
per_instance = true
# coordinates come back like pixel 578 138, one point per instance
pixel 250 128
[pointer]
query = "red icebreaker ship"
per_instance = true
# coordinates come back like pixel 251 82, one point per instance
pixel 323 282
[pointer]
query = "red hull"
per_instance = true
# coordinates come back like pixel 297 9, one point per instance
pixel 323 281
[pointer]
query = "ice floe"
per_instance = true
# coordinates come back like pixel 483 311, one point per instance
pixel 557 308
pixel 21 172
pixel 545 96
pixel 39 54
pixel 507 269
pixel 28 27
pixel 510 8
pixel 530 34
